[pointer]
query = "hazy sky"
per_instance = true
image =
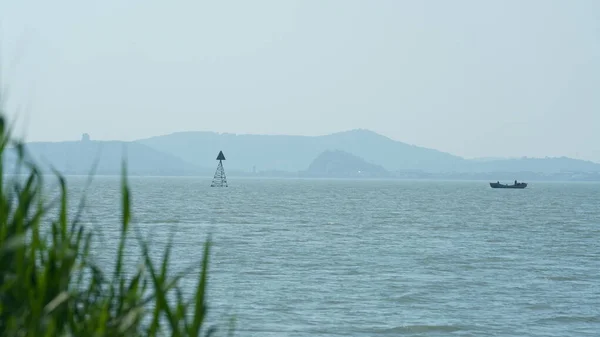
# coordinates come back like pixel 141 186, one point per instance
pixel 474 78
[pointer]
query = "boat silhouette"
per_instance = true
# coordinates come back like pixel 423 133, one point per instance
pixel 515 185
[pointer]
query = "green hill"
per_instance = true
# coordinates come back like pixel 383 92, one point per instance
pixel 342 164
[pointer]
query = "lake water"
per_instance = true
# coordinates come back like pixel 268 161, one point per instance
pixel 376 258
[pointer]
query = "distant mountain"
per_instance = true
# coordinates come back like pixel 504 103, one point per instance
pixel 194 153
pixel 343 164
pixel 78 157
pixel 538 165
pixel 505 177
pixel 295 153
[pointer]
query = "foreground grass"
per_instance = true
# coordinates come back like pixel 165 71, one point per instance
pixel 50 287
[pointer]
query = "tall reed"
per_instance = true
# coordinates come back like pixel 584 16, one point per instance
pixel 49 286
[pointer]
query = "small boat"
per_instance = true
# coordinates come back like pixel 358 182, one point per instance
pixel 515 185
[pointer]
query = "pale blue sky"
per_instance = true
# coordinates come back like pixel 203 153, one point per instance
pixel 474 78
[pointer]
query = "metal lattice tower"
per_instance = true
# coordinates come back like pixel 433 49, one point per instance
pixel 220 180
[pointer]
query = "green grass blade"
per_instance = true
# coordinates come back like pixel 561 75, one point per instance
pixel 200 306
pixel 125 209
pixel 62 220
pixel 162 304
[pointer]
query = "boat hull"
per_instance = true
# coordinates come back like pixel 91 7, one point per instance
pixel 517 186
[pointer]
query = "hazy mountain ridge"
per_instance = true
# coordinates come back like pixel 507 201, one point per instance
pixel 541 165
pixel 340 164
pixel 194 153
pixel 295 153
pixel 79 157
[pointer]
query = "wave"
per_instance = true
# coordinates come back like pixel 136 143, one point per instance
pixel 422 329
pixel 161 221
pixel 570 319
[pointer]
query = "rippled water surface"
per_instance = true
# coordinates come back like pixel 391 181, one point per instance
pixel 376 258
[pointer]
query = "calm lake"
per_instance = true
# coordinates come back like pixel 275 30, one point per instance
pixel 374 258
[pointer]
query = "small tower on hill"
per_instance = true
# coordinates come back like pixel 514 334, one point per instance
pixel 220 180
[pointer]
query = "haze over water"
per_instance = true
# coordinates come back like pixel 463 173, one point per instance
pixel 376 258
